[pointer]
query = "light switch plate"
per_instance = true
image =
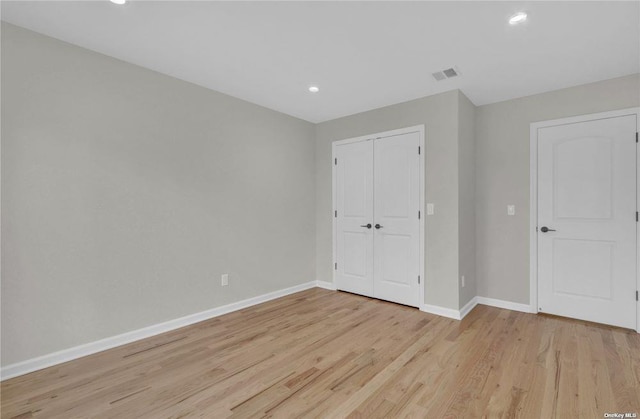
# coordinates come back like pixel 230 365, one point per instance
pixel 430 209
pixel 225 280
pixel 511 210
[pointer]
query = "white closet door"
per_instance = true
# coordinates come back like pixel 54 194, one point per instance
pixel 587 220
pixel 396 224
pixel 354 206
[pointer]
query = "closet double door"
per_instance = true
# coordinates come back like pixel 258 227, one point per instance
pixel 377 217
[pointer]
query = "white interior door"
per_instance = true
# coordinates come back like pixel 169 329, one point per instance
pixel 354 217
pixel 587 220
pixel 396 222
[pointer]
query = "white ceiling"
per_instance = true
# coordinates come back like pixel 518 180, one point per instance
pixel 362 55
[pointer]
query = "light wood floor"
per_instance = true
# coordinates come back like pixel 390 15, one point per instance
pixel 321 353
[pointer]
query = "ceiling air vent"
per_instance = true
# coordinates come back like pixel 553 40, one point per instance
pixel 450 72
pixel 446 74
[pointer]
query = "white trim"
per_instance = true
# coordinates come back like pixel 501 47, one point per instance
pixel 533 218
pixel 441 311
pixel 416 128
pixel 65 355
pixel 468 307
pixel 423 212
pixel 450 312
pixel 462 313
pixel 493 302
pixel 334 224
pixel 326 285
pixel 533 193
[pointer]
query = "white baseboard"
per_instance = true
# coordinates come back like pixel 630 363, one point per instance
pixel 326 285
pixel 65 355
pixel 493 302
pixel 441 311
pixel 450 312
pixel 468 307
pixel 460 314
pixel 70 354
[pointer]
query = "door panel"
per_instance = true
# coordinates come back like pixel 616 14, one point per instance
pixel 355 253
pixel 582 184
pixel 583 268
pixel 354 205
pixel 587 193
pixel 394 251
pixel 396 205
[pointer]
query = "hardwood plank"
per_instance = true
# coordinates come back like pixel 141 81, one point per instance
pixel 327 354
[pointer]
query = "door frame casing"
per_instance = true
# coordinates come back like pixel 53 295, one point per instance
pixel 421 181
pixel 533 195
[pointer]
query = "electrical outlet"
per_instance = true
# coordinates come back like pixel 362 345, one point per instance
pixel 430 209
pixel 462 280
pixel 225 280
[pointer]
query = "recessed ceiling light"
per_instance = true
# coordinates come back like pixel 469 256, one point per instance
pixel 517 18
pixel 120 2
pixel 314 89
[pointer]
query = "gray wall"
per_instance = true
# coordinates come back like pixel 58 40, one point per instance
pixel 127 193
pixel 502 167
pixel 440 116
pixel 466 199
